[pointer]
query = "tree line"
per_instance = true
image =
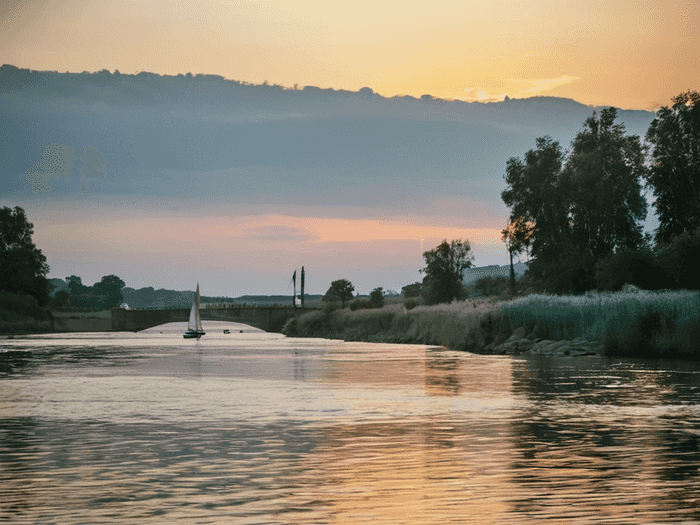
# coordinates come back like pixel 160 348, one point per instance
pixel 24 270
pixel 579 212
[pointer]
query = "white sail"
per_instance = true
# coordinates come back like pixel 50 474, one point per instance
pixel 194 325
pixel 197 318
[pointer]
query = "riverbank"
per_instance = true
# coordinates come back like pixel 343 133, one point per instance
pixel 632 323
pixel 20 314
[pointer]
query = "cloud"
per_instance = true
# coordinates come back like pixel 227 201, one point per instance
pixel 514 88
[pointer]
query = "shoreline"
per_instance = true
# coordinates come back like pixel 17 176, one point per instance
pixel 633 323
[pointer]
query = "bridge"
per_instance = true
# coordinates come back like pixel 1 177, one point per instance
pixel 268 318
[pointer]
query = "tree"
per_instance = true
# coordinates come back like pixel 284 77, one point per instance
pixel 23 267
pixel 339 291
pixel 444 266
pixel 517 236
pixel 76 286
pixel 584 207
pixel 376 298
pixel 604 174
pixel 674 174
pixel 412 290
pixel 536 195
pixel 110 287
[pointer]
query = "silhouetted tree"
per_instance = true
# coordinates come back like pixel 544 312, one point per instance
pixel 23 267
pixel 376 298
pixel 110 287
pixel 674 174
pixel 604 173
pixel 443 270
pixel 583 210
pixel 517 236
pixel 412 290
pixel 76 286
pixel 339 291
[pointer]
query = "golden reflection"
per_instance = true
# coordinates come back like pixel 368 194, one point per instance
pixel 433 471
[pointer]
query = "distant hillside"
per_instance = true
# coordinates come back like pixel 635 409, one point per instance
pixel 154 134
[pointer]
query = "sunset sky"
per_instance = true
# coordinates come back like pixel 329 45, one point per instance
pixel 628 54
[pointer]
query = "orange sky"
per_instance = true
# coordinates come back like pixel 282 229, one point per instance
pixel 627 53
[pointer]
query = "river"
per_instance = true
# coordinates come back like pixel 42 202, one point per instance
pixel 257 428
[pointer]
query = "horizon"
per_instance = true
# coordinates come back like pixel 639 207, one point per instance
pixel 298 87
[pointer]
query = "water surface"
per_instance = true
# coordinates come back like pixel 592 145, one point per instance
pixel 250 427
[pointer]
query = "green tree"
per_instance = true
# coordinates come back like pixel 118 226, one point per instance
pixel 536 195
pixel 584 207
pixel 23 267
pixel 76 286
pixel 412 290
pixel 444 266
pixel 339 291
pixel 376 298
pixel 604 173
pixel 674 174
pixel 517 236
pixel 110 287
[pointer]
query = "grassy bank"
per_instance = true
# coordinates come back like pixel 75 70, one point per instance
pixel 632 323
pixel 20 314
pixel 467 325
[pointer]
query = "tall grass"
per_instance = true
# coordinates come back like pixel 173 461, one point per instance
pixel 631 323
pixel 641 323
pixel 465 325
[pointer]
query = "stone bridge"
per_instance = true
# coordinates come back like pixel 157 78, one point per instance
pixel 268 318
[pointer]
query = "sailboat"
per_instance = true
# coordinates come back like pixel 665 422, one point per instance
pixel 194 326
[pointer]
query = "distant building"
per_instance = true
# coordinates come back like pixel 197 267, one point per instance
pixel 470 275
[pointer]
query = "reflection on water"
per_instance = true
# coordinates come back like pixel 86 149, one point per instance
pixel 258 428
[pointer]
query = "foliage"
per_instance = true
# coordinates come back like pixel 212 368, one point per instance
pixel 23 267
pixel 489 286
pixel 107 293
pixel 637 267
pixel 60 300
pixel 443 270
pixel 376 297
pixel 518 236
pixel 412 290
pixel 410 303
pixel 359 303
pixel 110 287
pixel 465 325
pixel 679 259
pixel 17 307
pixel 674 174
pixel 583 207
pixel 339 291
pixel 596 316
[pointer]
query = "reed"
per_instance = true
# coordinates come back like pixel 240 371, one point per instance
pixel 457 325
pixel 631 323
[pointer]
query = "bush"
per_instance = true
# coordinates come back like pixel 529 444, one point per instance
pixel 16 307
pixel 376 298
pixel 490 286
pixel 410 303
pixel 637 267
pixel 359 303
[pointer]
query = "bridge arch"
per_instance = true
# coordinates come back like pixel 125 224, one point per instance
pixel 270 319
